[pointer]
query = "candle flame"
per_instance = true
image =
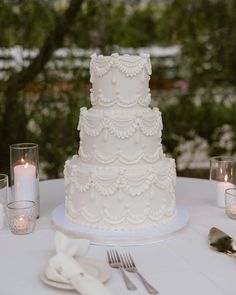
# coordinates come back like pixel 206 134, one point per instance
pixel 26 165
pixel 226 178
pixel 22 160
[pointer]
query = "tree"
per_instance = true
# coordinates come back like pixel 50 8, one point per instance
pixel 14 120
pixel 206 31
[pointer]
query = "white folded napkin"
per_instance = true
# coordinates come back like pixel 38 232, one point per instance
pixel 70 246
pixel 69 269
pixel 88 285
pixel 63 268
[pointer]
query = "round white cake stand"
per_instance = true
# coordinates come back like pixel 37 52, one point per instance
pixel 124 238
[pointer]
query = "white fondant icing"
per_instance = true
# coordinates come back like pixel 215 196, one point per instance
pixel 134 184
pixel 119 157
pixel 120 124
pixel 121 180
pixel 120 101
pixel 125 137
pixel 129 65
pixel 109 76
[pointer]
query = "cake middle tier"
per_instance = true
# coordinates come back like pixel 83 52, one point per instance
pixel 115 137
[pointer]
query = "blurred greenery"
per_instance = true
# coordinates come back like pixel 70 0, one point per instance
pixel 195 89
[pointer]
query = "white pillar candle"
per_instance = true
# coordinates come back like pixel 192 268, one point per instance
pixel 1 216
pixel 25 182
pixel 221 187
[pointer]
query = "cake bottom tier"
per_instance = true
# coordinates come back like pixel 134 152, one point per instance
pixel 118 198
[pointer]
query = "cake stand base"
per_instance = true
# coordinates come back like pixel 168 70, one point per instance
pixel 124 238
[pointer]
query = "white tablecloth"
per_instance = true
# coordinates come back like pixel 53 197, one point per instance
pixel 182 265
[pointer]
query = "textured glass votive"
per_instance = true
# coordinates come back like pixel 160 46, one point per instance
pixel 24 161
pixel 22 216
pixel 223 176
pixel 230 202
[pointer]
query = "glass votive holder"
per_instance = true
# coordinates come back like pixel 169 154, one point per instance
pixel 22 216
pixel 3 198
pixel 24 164
pixel 230 202
pixel 223 176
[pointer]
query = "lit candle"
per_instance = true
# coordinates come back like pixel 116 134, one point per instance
pixel 232 210
pixel 25 181
pixel 21 224
pixel 221 187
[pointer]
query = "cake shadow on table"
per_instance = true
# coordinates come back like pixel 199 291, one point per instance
pixel 120 182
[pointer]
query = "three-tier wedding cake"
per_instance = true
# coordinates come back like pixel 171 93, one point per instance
pixel 120 180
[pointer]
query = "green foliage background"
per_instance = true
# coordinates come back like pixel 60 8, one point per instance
pixel 206 32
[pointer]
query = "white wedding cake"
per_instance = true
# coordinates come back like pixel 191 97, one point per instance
pixel 120 180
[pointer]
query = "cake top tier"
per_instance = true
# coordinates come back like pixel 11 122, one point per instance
pixel 120 81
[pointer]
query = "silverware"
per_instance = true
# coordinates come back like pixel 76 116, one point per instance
pixel 130 266
pixel 221 242
pixel 115 262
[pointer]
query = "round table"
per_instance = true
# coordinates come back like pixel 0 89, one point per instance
pixel 182 265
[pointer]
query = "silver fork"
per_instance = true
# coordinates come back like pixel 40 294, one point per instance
pixel 115 262
pixel 130 266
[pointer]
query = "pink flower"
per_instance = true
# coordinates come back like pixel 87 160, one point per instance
pixel 181 84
